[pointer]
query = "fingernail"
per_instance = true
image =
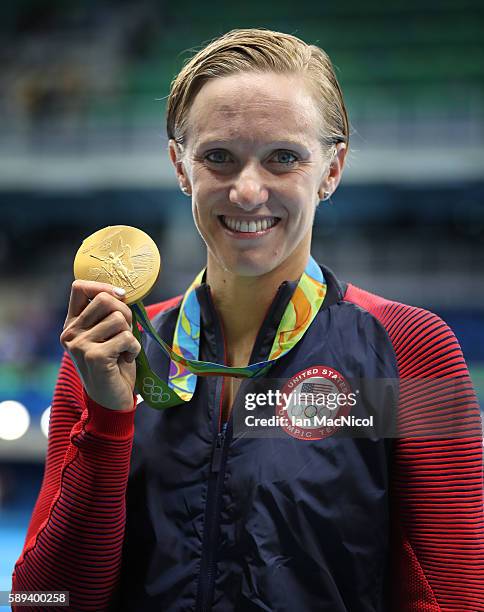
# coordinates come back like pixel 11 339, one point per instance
pixel 120 291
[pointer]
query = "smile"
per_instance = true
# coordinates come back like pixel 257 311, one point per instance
pixel 249 226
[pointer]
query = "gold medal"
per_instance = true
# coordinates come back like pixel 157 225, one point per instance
pixel 122 256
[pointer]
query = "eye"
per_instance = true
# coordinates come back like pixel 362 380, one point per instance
pixel 287 158
pixel 218 156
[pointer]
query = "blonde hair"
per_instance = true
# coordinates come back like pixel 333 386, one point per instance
pixel 259 50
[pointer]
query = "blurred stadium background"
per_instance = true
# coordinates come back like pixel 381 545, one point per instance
pixel 83 146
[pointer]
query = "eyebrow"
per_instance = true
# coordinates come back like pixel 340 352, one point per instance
pixel 279 143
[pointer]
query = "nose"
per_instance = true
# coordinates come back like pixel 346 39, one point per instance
pixel 248 189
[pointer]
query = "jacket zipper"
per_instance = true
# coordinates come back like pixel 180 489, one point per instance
pixel 214 493
pixel 219 448
pixel 214 500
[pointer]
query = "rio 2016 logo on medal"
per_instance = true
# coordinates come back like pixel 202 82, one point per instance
pixel 314 399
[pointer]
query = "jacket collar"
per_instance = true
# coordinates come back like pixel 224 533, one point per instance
pixel 212 334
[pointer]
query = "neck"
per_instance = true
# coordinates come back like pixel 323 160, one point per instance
pixel 243 301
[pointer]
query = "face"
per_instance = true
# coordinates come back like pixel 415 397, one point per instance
pixel 253 162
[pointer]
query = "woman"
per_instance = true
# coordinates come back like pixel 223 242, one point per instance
pixel 301 521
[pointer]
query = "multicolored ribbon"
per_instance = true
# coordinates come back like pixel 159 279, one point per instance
pixel 185 366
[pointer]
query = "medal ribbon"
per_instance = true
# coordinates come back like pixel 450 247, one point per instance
pixel 185 366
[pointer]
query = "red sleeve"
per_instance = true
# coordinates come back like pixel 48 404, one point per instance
pixel 437 488
pixel 76 531
pixel 75 536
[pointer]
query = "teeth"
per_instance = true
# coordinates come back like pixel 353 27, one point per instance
pixel 251 226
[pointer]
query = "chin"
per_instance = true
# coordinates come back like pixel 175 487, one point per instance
pixel 246 265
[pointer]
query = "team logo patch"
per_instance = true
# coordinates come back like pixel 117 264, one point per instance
pixel 313 401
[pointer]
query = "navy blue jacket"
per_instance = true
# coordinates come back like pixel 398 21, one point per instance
pixel 219 522
pixel 144 510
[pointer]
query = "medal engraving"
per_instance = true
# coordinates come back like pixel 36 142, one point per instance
pixel 122 256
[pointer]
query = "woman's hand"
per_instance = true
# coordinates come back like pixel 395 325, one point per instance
pixel 97 335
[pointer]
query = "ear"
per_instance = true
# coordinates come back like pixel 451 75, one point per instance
pixel 332 177
pixel 176 157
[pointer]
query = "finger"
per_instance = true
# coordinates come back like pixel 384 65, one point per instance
pixel 124 342
pixel 109 327
pixel 101 307
pixel 83 291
